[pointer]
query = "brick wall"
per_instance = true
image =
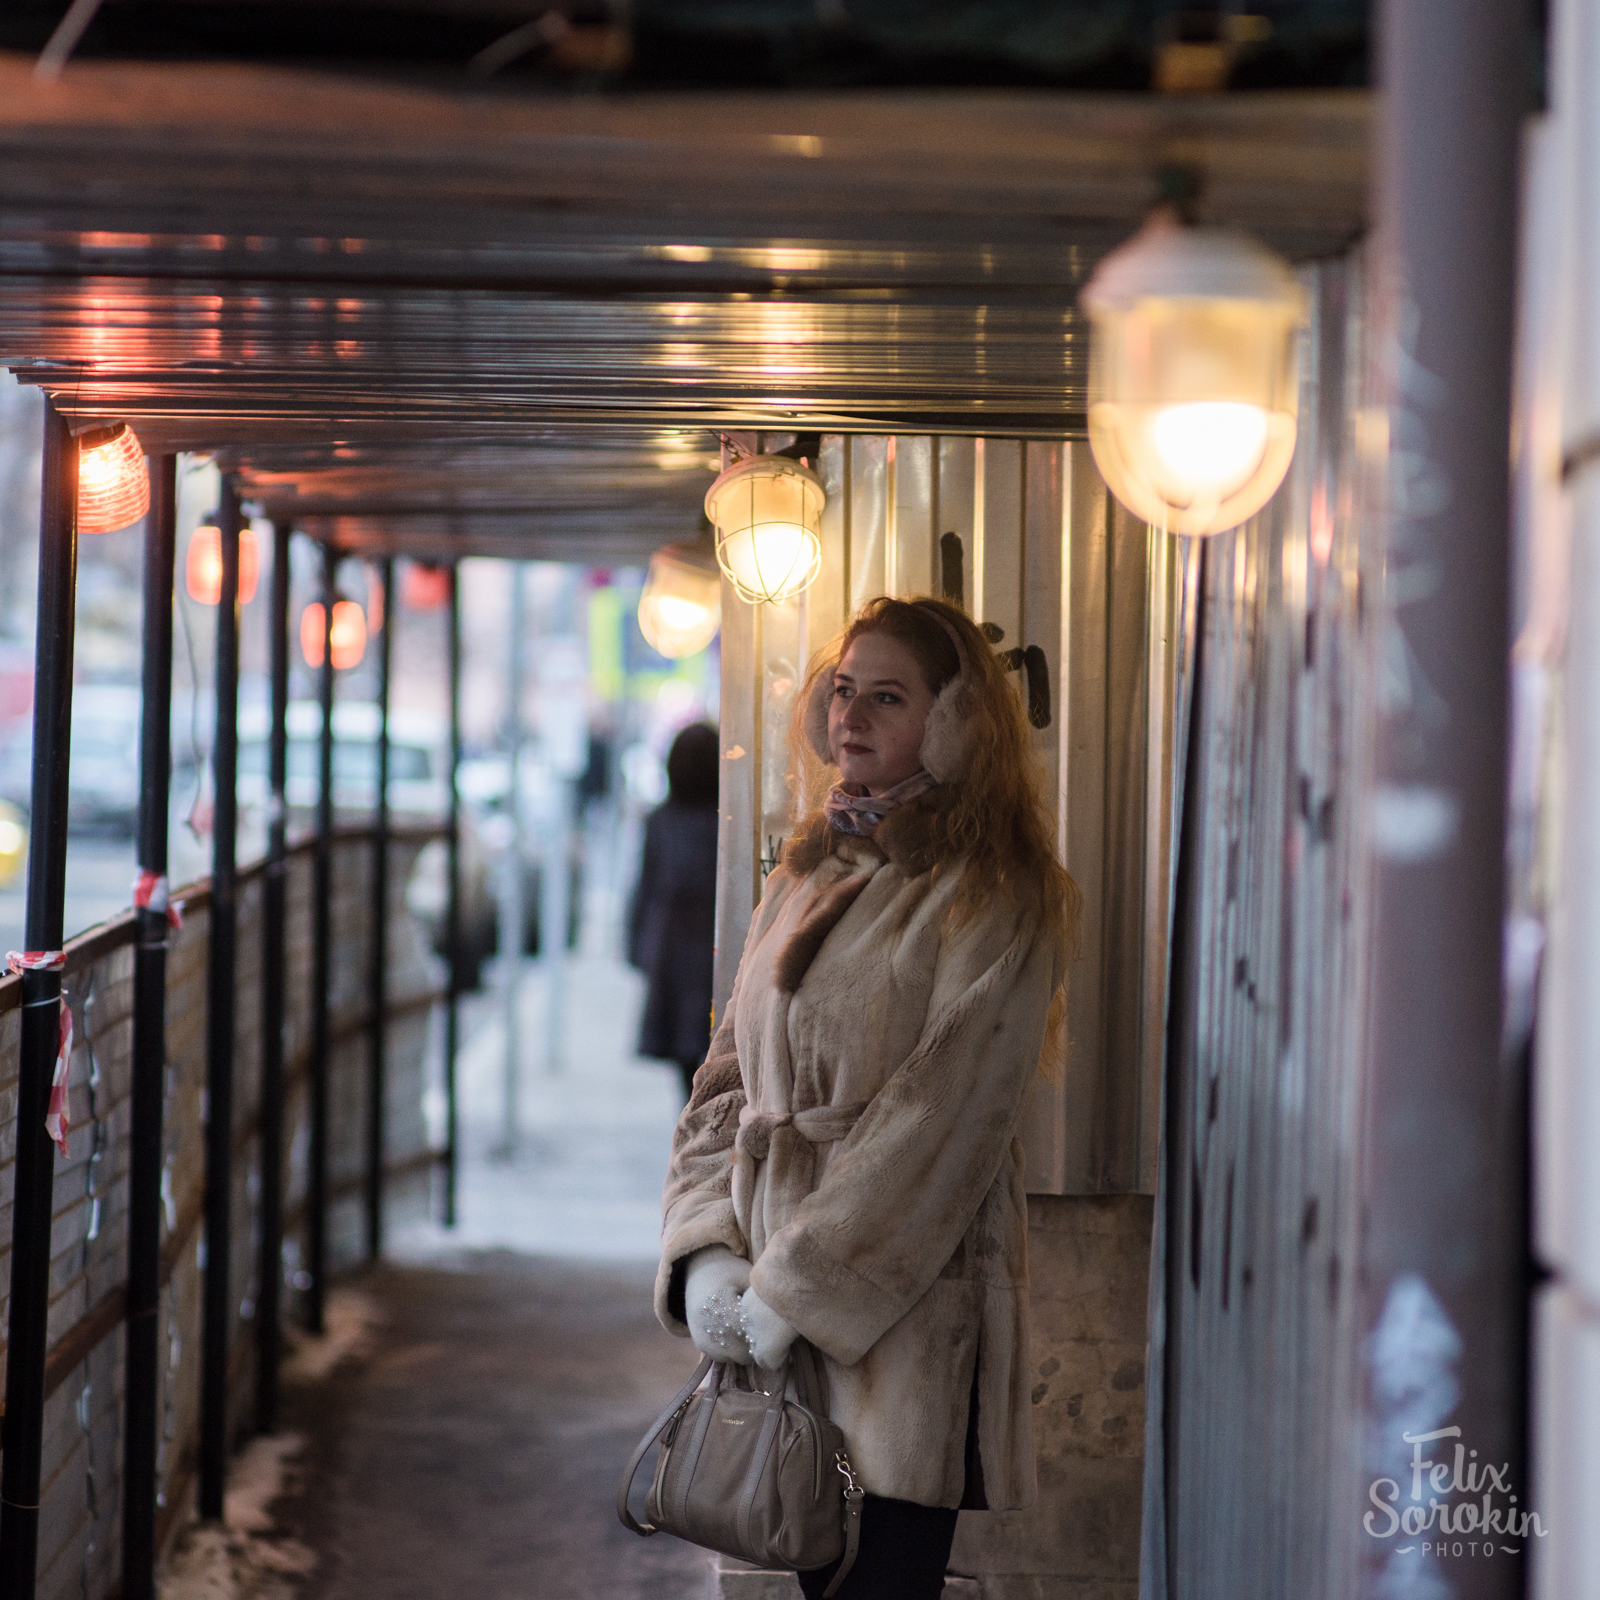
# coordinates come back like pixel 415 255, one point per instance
pixel 81 1513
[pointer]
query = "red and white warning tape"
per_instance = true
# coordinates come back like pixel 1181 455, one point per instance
pixel 55 1120
pixel 36 960
pixel 150 894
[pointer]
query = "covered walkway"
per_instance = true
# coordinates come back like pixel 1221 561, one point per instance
pixel 413 316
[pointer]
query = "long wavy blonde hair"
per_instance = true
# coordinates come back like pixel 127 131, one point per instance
pixel 995 820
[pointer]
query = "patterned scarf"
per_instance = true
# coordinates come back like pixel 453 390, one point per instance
pixel 860 814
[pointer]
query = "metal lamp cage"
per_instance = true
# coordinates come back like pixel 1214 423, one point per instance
pixel 767 512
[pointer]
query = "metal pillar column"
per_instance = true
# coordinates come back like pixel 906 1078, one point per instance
pixel 321 956
pixel 217 1293
pixel 378 922
pixel 143 1378
pixel 453 908
pixel 1444 1269
pixel 21 1434
pixel 274 923
pixel 513 913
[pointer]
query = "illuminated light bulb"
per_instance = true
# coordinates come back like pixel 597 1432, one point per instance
pixel 348 633
pixel 767 511
pixel 680 609
pixel 202 567
pixel 1193 391
pixel 113 480
pixel 1208 447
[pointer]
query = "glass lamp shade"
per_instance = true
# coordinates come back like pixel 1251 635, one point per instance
pixel 348 634
pixel 202 567
pixel 681 607
pixel 423 587
pixel 113 481
pixel 767 511
pixel 1193 388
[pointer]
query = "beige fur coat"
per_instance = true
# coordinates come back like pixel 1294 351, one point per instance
pixel 852 1134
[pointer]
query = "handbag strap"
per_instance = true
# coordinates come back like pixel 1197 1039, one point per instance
pixel 854 1494
pixel 662 1423
pixel 810 1377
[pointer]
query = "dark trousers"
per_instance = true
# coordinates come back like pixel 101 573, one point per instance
pixel 904 1551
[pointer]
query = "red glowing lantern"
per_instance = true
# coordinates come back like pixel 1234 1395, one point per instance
pixel 424 588
pixel 202 568
pixel 113 481
pixel 349 634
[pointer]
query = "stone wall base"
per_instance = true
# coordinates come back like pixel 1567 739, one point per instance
pixel 727 1579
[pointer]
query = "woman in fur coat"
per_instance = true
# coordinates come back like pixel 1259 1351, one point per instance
pixel 847 1170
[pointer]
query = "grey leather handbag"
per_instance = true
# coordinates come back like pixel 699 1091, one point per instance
pixel 761 1474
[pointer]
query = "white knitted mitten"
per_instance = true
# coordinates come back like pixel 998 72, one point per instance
pixel 716 1279
pixel 768 1335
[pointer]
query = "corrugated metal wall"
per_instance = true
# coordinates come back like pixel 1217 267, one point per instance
pixel 1253 1449
pixel 1047 558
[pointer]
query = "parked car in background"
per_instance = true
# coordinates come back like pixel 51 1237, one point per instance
pixel 419 785
pixel 104 784
pixel 419 793
pixel 13 844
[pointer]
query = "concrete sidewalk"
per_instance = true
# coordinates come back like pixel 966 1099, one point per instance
pixel 476 1451
pixel 584 1178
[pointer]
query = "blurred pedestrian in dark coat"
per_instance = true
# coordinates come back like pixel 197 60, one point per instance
pixel 672 925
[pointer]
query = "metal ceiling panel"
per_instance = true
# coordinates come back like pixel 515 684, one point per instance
pixel 245 259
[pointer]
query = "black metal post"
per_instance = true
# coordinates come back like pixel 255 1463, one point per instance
pixel 1444 1216
pixel 274 923
pixel 321 956
pixel 378 917
pixel 21 1434
pixel 143 1379
pixel 217 1292
pixel 453 908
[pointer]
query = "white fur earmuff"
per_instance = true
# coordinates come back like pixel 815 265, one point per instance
pixel 947 735
pixel 816 718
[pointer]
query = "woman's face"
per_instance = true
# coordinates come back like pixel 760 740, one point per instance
pixel 877 714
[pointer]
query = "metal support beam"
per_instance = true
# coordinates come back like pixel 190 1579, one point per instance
pixel 513 913
pixel 147 1096
pixel 1445 1261
pixel 274 923
pixel 321 957
pixel 217 1293
pixel 453 908
pixel 378 935
pixel 21 1435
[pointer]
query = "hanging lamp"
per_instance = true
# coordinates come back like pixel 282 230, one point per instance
pixel 113 480
pixel 767 512
pixel 424 587
pixel 202 567
pixel 1193 387
pixel 680 609
pixel 348 634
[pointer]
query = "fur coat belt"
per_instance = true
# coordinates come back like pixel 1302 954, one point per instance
pixel 795 1133
pixel 852 1135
